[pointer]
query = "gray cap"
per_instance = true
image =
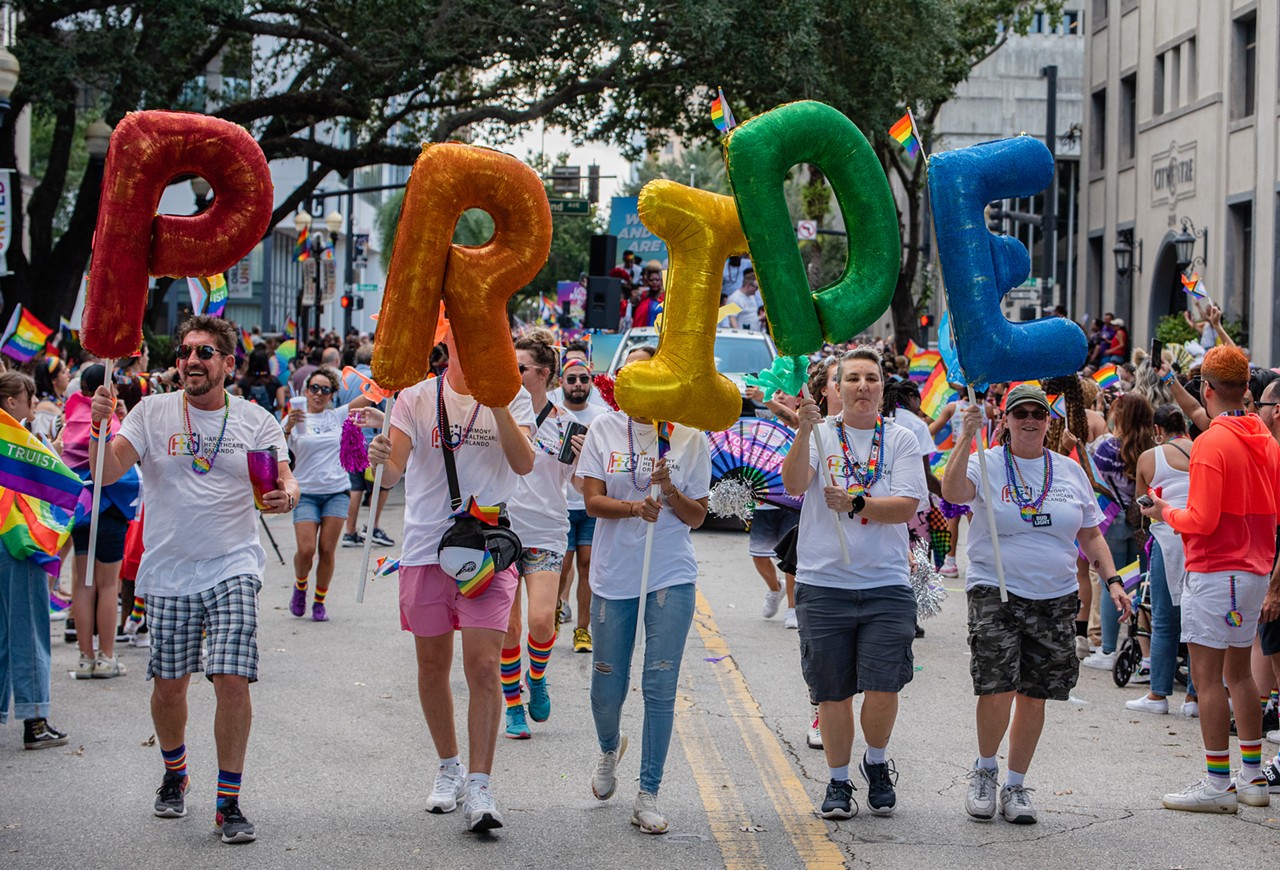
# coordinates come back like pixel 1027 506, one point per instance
pixel 1024 393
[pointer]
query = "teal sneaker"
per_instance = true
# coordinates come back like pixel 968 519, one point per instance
pixel 517 728
pixel 539 699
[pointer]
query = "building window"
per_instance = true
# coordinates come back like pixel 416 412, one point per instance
pixel 1189 67
pixel 1157 87
pixel 1128 116
pixel 1098 127
pixel 1239 299
pixel 1094 277
pixel 1244 73
pixel 1072 21
pixel 1100 11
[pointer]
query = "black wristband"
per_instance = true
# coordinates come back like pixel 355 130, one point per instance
pixel 1111 581
pixel 859 502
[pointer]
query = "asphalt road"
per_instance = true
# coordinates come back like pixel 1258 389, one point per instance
pixel 340 763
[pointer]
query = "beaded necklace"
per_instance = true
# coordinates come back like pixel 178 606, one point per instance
pixel 1028 507
pixel 635 460
pixel 199 463
pixel 449 443
pixel 865 475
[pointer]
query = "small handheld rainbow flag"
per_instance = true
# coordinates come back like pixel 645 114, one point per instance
pixel 25 336
pixel 1107 377
pixel 936 392
pixel 665 431
pixel 912 349
pixel 386 567
pixel 721 114
pixel 1057 405
pixel 246 340
pixel 301 249
pixel 208 295
pixel 291 328
pixel 923 364
pixel 1192 286
pixel 1131 576
pixel 485 514
pixel 905 132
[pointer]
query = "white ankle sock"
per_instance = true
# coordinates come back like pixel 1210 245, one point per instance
pixel 839 774
pixel 985 763
pixel 1012 777
pixel 477 780
pixel 452 761
pixel 877 756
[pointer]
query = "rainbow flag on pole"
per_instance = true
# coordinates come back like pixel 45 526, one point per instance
pixel 291 328
pixel 28 467
pixel 1107 377
pixel 923 364
pixel 1057 405
pixel 208 295
pixel 936 392
pixel 905 132
pixel 301 250
pixel 1192 286
pixel 721 114
pixel 246 340
pixel 25 336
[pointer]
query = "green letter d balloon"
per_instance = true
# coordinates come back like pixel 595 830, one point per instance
pixel 758 154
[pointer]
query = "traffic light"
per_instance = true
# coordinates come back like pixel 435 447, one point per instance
pixel 926 320
pixel 352 303
pixel 995 217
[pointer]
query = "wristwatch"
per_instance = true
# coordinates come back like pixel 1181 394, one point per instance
pixel 859 502
pixel 1111 581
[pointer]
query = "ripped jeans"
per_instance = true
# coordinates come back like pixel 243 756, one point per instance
pixel 668 614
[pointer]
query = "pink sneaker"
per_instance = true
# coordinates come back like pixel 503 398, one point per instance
pixel 949 568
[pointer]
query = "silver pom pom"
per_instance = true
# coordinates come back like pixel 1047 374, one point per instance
pixel 926 582
pixel 732 497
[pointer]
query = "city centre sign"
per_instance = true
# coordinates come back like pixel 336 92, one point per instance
pixel 1173 174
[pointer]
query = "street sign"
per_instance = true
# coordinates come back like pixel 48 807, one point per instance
pixel 806 231
pixel 367 288
pixel 570 206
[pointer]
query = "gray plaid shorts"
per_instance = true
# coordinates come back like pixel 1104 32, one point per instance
pixel 227 613
pixel 1025 645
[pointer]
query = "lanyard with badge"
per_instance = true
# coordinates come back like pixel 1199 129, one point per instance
pixel 1029 508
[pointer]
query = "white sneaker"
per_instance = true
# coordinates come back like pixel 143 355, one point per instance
pixel 131 627
pixel 141 641
pixel 84 668
pixel 480 811
pixel 1082 648
pixel 771 601
pixel 980 799
pixel 646 816
pixel 1100 661
pixel 1273 736
pixel 1252 793
pixel 1142 677
pixel 814 738
pixel 104 668
pixel 791 621
pixel 604 782
pixel 1191 710
pixel 1201 797
pixel 1015 805
pixel 949 567
pixel 449 786
pixel 1147 704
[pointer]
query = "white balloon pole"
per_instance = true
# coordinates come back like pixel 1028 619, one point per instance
pixel 373 511
pixel 986 501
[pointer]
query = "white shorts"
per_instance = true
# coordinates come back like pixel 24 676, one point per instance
pixel 1206 601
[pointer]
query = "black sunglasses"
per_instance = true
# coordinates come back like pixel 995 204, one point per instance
pixel 1024 413
pixel 319 389
pixel 524 368
pixel 577 379
pixel 203 351
pixel 1265 404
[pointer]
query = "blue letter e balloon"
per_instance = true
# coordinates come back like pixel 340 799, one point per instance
pixel 978 267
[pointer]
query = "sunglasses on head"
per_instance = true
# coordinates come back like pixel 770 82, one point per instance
pixel 1021 413
pixel 203 351
pixel 524 368
pixel 320 389
pixel 577 379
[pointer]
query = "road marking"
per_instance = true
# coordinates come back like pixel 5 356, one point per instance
pixel 725 811
pixel 793 804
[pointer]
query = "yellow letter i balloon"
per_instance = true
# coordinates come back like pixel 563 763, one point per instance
pixel 681 384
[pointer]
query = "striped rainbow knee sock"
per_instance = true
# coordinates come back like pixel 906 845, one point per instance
pixel 539 655
pixel 1218 764
pixel 139 609
pixel 510 669
pixel 1250 759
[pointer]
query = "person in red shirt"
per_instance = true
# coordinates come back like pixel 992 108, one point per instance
pixel 1228 531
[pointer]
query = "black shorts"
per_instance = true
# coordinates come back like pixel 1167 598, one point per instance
pixel 768 527
pixel 855 640
pixel 357 483
pixel 1023 645
pixel 1269 636
pixel 113 528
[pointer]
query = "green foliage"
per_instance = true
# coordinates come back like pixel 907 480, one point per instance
pixel 699 166
pixel 1174 329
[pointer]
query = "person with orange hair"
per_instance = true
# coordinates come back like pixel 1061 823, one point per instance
pixel 1228 531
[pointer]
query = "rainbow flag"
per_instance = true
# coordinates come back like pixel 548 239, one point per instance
pixel 285 352
pixel 912 349
pixel 291 328
pixel 936 392
pixel 28 467
pixel 721 114
pixel 905 132
pixel 34 529
pixel 301 249
pixel 1057 405
pixel 485 514
pixel 665 431
pixel 25 336
pixel 1192 287
pixel 208 295
pixel 386 567
pixel 1131 576
pixel 923 364
pixel 246 340
pixel 1107 377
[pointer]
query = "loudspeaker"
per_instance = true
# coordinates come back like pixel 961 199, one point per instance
pixel 604 300
pixel 604 255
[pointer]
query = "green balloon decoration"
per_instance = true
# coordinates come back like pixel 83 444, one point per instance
pixel 758 154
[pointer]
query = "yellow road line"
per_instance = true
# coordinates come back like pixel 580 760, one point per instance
pixel 725 811
pixel 808 833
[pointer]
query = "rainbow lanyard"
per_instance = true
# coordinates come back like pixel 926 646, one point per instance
pixel 445 439
pixel 559 438
pixel 635 460
pixel 1028 507
pixel 865 475
pixel 201 464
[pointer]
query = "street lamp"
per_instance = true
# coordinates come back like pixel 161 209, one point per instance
pixel 333 220
pixel 1124 253
pixel 97 139
pixel 9 69
pixel 1184 245
pixel 201 189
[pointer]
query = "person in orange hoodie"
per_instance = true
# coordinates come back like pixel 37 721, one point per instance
pixel 1229 534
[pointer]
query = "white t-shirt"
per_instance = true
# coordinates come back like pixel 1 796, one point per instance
pixel 617 549
pixel 317 462
pixel 483 470
pixel 877 551
pixel 200 529
pixel 749 316
pixel 918 427
pixel 573 498
pixel 538 511
pixel 1039 561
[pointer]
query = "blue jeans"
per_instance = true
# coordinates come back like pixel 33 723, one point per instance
pixel 1166 627
pixel 1124 550
pixel 668 614
pixel 24 638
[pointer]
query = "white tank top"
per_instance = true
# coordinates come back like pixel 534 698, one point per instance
pixel 1174 484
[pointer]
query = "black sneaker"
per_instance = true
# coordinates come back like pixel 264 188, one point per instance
pixel 382 539
pixel 1272 773
pixel 353 539
pixel 231 822
pixel 839 802
pixel 69 631
pixel 880 778
pixel 171 802
pixel 1270 720
pixel 39 734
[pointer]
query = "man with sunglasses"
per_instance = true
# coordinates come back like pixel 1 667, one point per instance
pixel 202 565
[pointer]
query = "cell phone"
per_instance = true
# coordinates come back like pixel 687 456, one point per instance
pixel 1145 501
pixel 566 446
pixel 1157 348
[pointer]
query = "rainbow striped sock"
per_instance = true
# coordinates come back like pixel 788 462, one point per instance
pixel 320 595
pixel 1275 697
pixel 228 785
pixel 1250 759
pixel 1264 700
pixel 539 655
pixel 300 584
pixel 510 668
pixel 1218 764
pixel 175 760
pixel 139 609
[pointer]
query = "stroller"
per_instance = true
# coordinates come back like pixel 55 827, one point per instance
pixel 1129 655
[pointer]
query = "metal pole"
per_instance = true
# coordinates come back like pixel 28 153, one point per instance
pixel 1049 226
pixel 348 273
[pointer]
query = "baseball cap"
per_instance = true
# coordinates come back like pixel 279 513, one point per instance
pixel 1023 394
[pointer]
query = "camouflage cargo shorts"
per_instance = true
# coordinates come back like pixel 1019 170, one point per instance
pixel 1024 645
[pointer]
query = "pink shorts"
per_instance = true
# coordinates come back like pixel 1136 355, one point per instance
pixel 430 604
